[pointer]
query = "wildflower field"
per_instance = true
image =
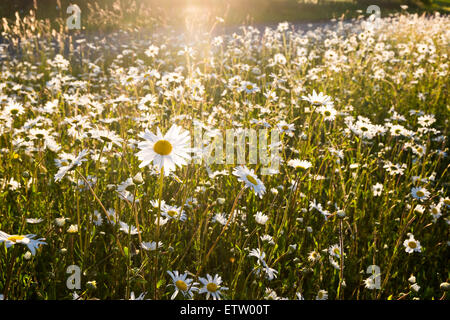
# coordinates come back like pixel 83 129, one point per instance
pixel 121 177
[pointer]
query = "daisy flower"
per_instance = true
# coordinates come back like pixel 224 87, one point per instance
pixel 297 163
pixel 394 169
pixel 251 180
pixel 426 120
pixel 124 185
pixel 271 96
pixel 314 256
pixel 155 203
pixel 270 273
pixel 128 229
pixel 334 263
pixel 27 240
pixel 328 112
pixel 106 136
pixel 287 128
pixel 191 202
pixel 212 286
pixel 140 297
pixel 14 108
pixel 34 220
pixel 317 99
pixel 75 163
pixel 377 189
pixel 260 255
pixel 412 245
pixel 182 284
pixel 335 251
pixel 150 246
pixel 322 295
pixel 419 209
pixel 60 221
pixel 161 221
pixel 435 211
pixel 398 130
pixel 446 201
pixel 152 51
pixel 369 283
pixel 267 238
pixel 279 58
pixel 299 296
pixel 171 212
pixel 415 287
pixel 97 219
pixel 112 216
pixel 420 193
pixel 261 218
pixel 363 129
pixel 166 151
pixel 73 228
pixel 221 218
pixel 248 87
pixel 271 295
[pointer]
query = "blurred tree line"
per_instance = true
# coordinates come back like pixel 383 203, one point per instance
pixel 97 14
pixel 112 14
pixel 49 8
pixel 55 8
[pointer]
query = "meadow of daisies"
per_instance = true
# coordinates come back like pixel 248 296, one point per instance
pixel 99 172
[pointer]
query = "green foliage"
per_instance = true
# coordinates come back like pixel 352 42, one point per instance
pixel 63 91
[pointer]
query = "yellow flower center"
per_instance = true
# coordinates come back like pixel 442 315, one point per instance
pixel 252 180
pixel 327 113
pixel 412 244
pixel 172 213
pixel 249 87
pixel 211 287
pixel 181 285
pixel 162 147
pixel 285 127
pixel 15 238
pixel 420 193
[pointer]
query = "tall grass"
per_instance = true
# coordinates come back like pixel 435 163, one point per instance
pixel 57 89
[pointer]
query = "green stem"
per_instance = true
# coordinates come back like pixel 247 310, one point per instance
pixel 161 180
pixel 9 273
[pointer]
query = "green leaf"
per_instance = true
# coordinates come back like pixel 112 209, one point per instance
pixel 160 283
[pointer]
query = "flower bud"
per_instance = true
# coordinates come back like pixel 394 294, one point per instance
pixel 137 179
